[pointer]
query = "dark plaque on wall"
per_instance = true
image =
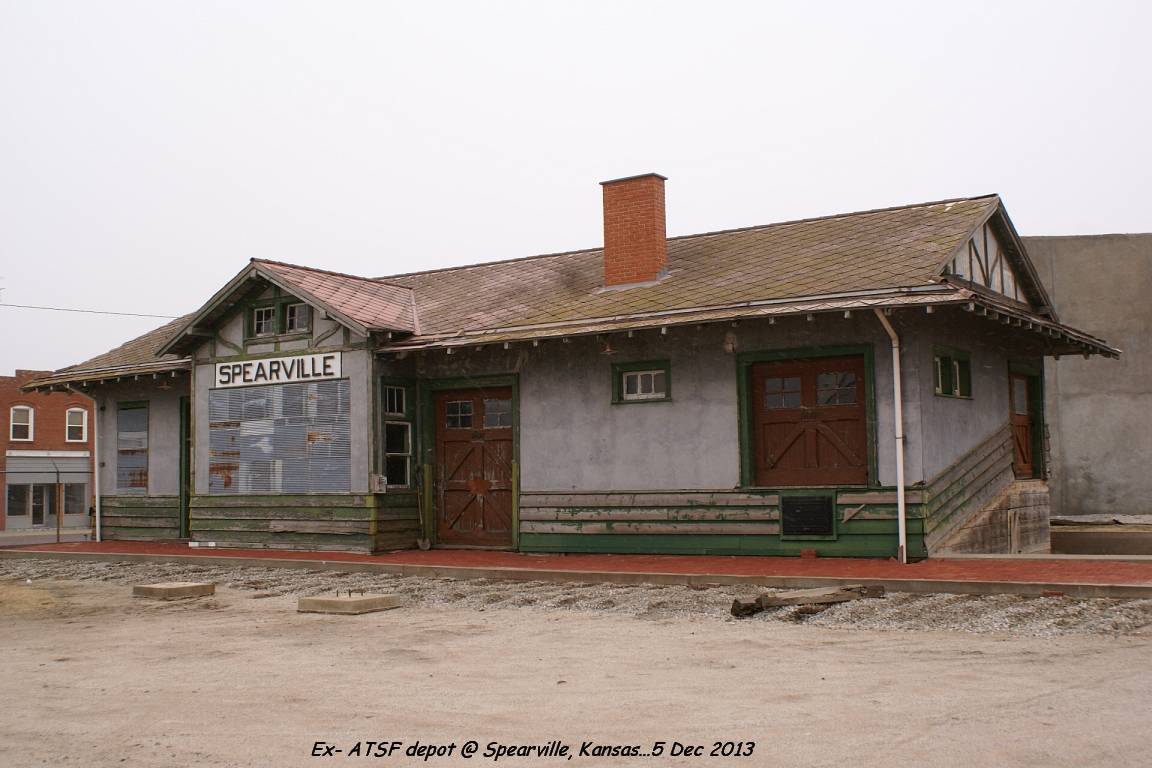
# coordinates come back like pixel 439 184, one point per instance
pixel 807 516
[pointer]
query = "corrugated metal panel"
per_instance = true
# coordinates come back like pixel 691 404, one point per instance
pixel 280 438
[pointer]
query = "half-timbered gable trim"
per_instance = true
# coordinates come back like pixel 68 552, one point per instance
pixel 993 260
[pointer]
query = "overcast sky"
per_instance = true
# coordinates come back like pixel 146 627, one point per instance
pixel 149 149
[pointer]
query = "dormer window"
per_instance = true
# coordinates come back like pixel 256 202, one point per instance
pixel 297 318
pixel 21 423
pixel 264 321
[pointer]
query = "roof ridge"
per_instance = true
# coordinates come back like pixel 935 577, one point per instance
pixel 712 233
pixel 378 281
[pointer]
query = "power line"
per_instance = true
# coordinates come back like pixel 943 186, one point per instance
pixel 89 311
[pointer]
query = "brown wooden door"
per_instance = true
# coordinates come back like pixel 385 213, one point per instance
pixel 810 422
pixel 1022 463
pixel 474 467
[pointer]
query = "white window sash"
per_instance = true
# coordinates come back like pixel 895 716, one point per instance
pixel 83 425
pixel 639 394
pixel 12 424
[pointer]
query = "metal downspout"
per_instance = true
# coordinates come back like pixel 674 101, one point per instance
pixel 898 423
pixel 96 411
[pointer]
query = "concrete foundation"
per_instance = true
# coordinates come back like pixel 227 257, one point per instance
pixel 1015 522
pixel 348 605
pixel 174 590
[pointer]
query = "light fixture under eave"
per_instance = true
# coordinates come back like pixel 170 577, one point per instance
pixel 606 346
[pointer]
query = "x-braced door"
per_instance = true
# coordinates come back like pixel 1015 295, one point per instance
pixel 810 422
pixel 474 454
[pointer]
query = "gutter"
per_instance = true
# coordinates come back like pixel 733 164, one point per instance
pixel 97 410
pixel 898 423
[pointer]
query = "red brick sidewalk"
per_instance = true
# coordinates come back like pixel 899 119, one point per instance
pixel 1095 572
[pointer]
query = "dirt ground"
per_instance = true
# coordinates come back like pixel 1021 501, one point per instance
pixel 94 677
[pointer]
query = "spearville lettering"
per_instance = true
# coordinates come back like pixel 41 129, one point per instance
pixel 278 369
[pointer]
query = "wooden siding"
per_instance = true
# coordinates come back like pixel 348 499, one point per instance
pixel 705 522
pixel 959 493
pixel 140 517
pixel 1015 521
pixel 357 523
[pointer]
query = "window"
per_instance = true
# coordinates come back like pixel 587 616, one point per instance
pixel 297 318
pixel 836 388
pixel 22 423
pixel 458 414
pixel 395 401
pixel 782 392
pixel 397 433
pixel 264 321
pixel 641 382
pixel 75 498
pixel 497 413
pixel 953 373
pixel 76 425
pixel 132 448
pixel 280 438
pixel 18 498
pixel 397 453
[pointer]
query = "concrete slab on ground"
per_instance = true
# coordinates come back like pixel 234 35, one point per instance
pixel 349 605
pixel 174 590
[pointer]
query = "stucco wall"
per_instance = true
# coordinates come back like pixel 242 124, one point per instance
pixel 1099 410
pixel 953 426
pixel 573 437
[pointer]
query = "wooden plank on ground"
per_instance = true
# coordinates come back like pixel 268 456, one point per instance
pixel 818 596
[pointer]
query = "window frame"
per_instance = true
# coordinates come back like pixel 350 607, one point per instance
pixel 384 388
pixel 952 373
pixel 284 329
pixel 406 417
pixel 83 425
pixel 621 370
pixel 406 455
pixel 253 333
pixel 146 407
pixel 31 424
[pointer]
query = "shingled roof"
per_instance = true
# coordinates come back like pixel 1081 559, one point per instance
pixel 879 258
pixel 374 304
pixel 135 357
pixel 850 253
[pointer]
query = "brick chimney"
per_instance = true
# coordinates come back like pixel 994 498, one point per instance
pixel 635 239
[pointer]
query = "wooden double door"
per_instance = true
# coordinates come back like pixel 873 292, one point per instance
pixel 810 422
pixel 474 459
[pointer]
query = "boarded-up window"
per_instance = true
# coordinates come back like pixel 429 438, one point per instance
pixel 280 438
pixel 132 448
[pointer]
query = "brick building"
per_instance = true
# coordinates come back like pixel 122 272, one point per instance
pixel 46 456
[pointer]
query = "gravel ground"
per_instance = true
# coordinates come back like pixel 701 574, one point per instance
pixel 1011 614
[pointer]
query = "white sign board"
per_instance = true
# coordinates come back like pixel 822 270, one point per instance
pixel 278 370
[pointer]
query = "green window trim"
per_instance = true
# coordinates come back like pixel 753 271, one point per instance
pixel 662 370
pixel 952 373
pixel 279 307
pixel 745 361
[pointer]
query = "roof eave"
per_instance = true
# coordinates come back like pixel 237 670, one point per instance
pixel 110 373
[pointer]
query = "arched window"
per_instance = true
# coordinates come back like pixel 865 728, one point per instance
pixel 76 425
pixel 22 423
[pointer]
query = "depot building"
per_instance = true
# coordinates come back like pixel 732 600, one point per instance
pixel 865 384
